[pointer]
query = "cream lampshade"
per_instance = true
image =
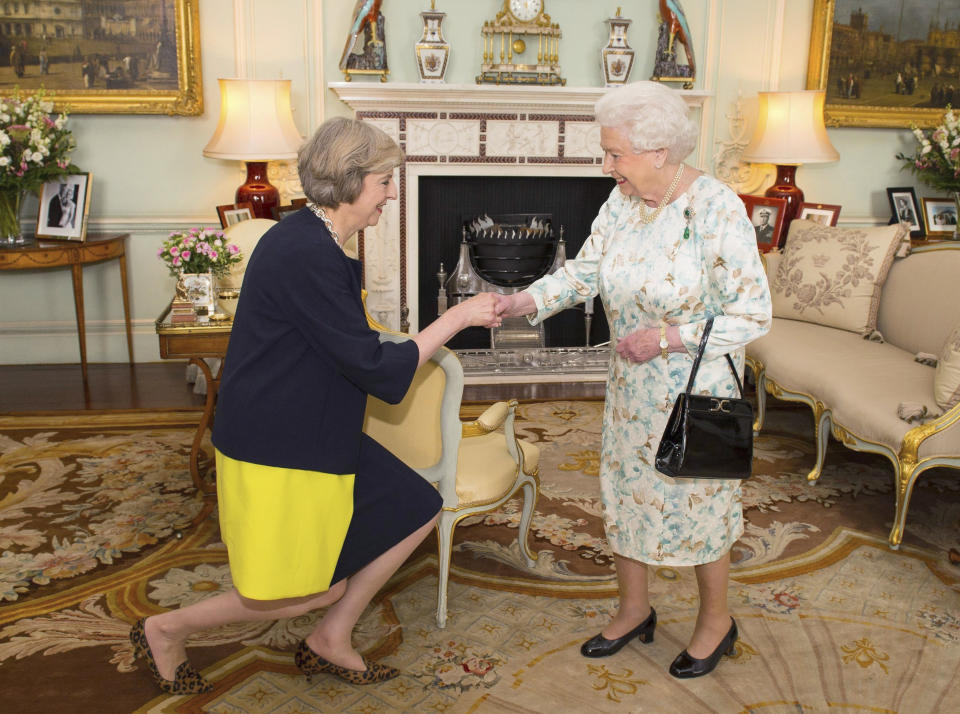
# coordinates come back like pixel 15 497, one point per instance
pixel 790 132
pixel 256 126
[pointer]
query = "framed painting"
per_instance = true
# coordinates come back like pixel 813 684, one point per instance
pixel 882 66
pixel 64 205
pixel 232 213
pixel 904 208
pixel 824 213
pixel 766 215
pixel 939 217
pixel 136 57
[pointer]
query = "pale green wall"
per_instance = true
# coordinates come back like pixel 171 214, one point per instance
pixel 150 175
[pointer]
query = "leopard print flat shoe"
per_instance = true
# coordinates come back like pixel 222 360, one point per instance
pixel 310 663
pixel 186 680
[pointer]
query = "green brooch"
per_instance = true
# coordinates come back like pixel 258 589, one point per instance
pixel 688 216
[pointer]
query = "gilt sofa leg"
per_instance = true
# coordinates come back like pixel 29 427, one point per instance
pixel 761 380
pixel 907 474
pixel 821 440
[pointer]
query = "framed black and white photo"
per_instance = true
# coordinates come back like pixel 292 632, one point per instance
pixel 906 209
pixel 64 204
pixel 939 216
pixel 766 214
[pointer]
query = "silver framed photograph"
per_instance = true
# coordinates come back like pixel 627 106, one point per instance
pixel 64 205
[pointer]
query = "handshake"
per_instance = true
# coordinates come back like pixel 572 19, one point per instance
pixel 489 309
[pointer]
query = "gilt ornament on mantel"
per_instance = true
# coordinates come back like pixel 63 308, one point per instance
pixel 521 45
pixel 432 50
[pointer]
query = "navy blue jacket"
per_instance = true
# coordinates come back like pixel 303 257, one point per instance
pixel 302 359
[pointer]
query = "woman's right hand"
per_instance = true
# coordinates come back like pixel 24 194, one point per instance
pixel 515 305
pixel 480 311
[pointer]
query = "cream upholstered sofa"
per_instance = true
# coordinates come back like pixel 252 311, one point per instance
pixel 867 378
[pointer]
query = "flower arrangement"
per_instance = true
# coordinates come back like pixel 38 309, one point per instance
pixel 34 149
pixel 937 160
pixel 199 250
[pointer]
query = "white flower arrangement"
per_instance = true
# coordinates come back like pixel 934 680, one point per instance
pixel 35 147
pixel 937 160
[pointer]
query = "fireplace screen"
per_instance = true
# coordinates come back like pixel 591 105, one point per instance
pixel 511 251
pixel 504 254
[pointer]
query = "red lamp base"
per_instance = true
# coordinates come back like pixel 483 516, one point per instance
pixel 259 191
pixel 785 187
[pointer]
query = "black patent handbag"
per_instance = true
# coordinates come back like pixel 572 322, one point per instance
pixel 707 436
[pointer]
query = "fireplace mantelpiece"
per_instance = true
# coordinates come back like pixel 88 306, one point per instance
pixel 451 130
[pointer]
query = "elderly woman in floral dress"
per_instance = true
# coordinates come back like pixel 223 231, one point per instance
pixel 670 248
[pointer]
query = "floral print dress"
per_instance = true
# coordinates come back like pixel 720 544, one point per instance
pixel 648 274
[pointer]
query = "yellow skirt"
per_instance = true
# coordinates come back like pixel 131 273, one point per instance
pixel 284 528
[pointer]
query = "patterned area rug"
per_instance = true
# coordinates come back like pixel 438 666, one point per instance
pixel 830 617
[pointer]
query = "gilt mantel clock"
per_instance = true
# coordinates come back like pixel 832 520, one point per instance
pixel 508 46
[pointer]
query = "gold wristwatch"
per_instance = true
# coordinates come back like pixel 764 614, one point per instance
pixel 664 344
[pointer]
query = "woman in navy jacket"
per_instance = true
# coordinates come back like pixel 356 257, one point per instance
pixel 314 513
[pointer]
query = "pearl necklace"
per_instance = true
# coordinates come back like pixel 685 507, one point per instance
pixel 651 217
pixel 322 215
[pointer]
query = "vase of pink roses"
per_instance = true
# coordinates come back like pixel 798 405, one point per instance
pixel 197 257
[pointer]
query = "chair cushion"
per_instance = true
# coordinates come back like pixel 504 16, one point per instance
pixel 946 382
pixel 485 470
pixel 832 276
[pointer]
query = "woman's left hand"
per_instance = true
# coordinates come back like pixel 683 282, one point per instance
pixel 640 346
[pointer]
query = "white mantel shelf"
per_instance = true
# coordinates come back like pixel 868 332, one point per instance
pixel 411 97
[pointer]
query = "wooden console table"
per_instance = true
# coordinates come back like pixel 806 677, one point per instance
pixel 50 255
pixel 194 341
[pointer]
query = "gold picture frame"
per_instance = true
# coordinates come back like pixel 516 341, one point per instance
pixel 124 69
pixel 939 217
pixel 858 109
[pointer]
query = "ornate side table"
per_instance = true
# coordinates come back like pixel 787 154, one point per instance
pixel 50 255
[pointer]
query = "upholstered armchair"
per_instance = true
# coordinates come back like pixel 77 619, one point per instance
pixel 476 467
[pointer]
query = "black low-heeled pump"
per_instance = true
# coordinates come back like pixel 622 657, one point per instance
pixel 600 646
pixel 687 667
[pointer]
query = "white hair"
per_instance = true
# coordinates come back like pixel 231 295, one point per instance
pixel 651 116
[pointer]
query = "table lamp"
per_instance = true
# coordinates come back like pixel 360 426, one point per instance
pixel 256 126
pixel 790 132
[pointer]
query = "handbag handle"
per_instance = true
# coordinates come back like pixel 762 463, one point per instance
pixel 699 356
